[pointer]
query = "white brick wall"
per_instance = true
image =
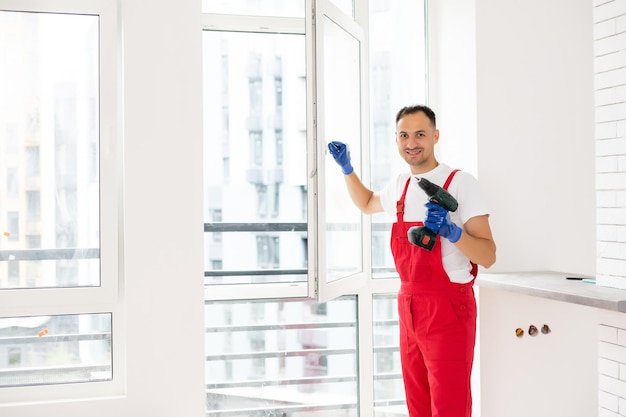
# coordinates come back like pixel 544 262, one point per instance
pixel 610 136
pixel 612 364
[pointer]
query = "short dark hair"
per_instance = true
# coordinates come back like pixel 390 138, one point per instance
pixel 416 109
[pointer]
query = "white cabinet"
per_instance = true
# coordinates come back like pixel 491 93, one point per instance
pixel 546 375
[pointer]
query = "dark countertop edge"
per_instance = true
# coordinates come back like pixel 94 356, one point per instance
pixel 554 285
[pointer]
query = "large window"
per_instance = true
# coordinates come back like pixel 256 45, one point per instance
pixel 48 79
pixel 58 211
pixel 273 234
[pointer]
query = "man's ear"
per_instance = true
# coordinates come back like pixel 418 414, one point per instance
pixel 436 136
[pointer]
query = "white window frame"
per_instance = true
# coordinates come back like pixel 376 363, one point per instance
pixel 263 24
pixel 106 297
pixel 316 286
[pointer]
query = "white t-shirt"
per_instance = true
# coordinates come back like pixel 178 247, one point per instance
pixel 464 188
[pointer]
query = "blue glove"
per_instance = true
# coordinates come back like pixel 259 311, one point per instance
pixel 438 220
pixel 341 153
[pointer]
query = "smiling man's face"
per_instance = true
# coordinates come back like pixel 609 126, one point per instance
pixel 416 138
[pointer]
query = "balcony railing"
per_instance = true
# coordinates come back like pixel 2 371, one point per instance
pixel 48 254
pixel 382 271
pixel 38 351
pixel 292 392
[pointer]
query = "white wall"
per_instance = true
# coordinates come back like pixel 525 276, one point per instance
pixel 533 104
pixel 164 199
pixel 535 124
pixel 162 277
pixel 452 80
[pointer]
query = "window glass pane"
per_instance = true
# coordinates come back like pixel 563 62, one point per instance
pixel 388 385
pixel 269 357
pixel 397 78
pixel 12 182
pixel 55 349
pixel 255 158
pixel 342 121
pixel 283 8
pixel 49 137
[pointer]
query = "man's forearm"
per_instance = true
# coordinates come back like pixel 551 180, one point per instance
pixel 477 242
pixel 359 193
pixel 479 250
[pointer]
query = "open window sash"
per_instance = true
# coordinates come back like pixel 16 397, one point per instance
pixel 342 249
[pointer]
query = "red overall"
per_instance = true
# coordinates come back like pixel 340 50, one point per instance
pixel 437 326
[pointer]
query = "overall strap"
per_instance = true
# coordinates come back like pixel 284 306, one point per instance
pixel 400 203
pixel 474 270
pixel 449 180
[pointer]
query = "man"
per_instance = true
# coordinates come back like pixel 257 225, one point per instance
pixel 436 303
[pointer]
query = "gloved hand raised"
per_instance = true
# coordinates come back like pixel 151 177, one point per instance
pixel 438 220
pixel 341 153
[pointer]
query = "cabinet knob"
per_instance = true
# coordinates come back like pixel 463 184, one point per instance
pixel 533 331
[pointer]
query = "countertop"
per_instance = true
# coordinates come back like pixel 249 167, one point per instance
pixel 556 286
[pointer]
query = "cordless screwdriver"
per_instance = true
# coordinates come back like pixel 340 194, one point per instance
pixel 421 235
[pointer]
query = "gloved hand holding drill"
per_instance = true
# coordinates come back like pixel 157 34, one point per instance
pixel 440 203
pixel 341 153
pixel 438 220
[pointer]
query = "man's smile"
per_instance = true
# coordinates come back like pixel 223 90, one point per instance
pixel 414 151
